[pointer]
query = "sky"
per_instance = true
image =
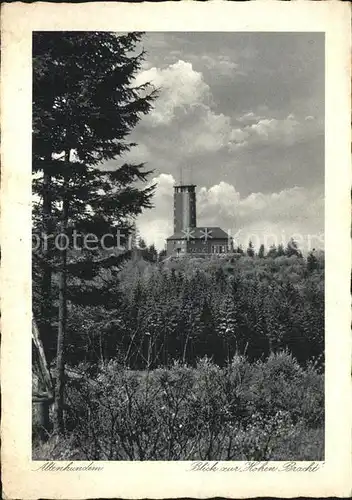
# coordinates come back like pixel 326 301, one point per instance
pixel 241 115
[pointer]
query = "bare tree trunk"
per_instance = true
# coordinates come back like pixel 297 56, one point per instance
pixel 46 305
pixel 60 363
pixel 165 348
pixel 101 349
pixel 149 351
pixel 43 366
pixel 43 397
pixel 61 337
pixel 185 349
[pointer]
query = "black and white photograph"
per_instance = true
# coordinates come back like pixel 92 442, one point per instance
pixel 178 246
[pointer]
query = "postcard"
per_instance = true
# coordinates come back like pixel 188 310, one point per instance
pixel 176 250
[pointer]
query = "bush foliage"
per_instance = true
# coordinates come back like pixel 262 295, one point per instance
pixel 245 411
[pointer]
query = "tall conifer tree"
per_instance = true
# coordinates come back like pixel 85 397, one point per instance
pixel 85 105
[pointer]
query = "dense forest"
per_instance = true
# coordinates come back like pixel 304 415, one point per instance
pixel 215 358
pixel 184 309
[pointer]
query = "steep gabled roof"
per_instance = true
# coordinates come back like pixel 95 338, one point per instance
pixel 199 233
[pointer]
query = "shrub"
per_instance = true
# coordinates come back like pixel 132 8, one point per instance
pixel 244 411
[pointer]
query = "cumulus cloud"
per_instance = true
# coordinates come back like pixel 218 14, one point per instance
pixel 206 127
pixel 248 118
pixel 295 212
pixel 287 205
pixel 180 88
pixel 269 218
pixel 269 129
pixel 204 131
pixel 183 123
pixel 156 224
pixel 186 129
pixel 261 130
pixel 185 108
pixel 222 64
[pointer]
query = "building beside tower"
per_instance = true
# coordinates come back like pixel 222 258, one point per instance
pixel 187 237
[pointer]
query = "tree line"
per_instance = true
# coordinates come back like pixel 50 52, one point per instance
pixel 151 254
pixel 190 308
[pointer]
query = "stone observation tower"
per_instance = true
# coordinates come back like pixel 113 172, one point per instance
pixel 184 207
pixel 187 237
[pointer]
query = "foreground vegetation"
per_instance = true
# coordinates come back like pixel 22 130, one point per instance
pixel 267 410
pixel 207 359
